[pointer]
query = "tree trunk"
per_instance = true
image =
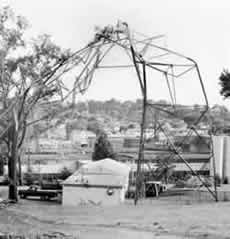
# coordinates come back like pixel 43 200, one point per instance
pixel 1 166
pixel 12 165
pixel 19 171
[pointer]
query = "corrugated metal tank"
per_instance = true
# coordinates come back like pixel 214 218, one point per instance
pixel 226 159
pixel 218 149
pixel 221 150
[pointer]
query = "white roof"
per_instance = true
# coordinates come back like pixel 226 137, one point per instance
pixel 103 172
pixel 105 166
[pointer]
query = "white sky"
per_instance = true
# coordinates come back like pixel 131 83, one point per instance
pixel 198 29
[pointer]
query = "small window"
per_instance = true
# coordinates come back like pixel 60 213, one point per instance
pixel 110 191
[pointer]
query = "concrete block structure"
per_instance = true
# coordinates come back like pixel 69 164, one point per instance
pixel 102 182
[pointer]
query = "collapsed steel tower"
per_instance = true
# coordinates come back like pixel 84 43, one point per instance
pixel 146 57
pixel 144 54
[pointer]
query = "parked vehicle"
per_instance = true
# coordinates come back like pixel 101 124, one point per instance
pixel 149 189
pixel 51 185
pixel 4 180
pixel 35 191
pixel 154 188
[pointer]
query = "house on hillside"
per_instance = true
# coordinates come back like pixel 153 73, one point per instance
pixel 58 132
pixel 194 144
pixel 81 137
pixel 117 141
pixel 44 145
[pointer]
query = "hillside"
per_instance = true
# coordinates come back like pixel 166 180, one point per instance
pixel 114 115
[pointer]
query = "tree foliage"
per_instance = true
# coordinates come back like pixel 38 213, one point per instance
pixel 95 126
pixel 65 173
pixel 25 79
pixel 224 81
pixel 29 76
pixel 102 148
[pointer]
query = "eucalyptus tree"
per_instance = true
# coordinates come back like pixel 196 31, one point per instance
pixel 31 74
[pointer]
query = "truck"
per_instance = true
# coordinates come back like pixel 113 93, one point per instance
pixel 35 191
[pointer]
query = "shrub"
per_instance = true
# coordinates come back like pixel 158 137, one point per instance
pixel 65 173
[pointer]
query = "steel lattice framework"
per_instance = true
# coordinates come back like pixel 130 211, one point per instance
pixel 142 54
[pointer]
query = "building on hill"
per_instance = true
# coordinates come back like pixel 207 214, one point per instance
pixel 131 142
pixel 54 157
pixel 81 137
pixel 58 132
pixel 117 141
pixel 195 144
pixel 133 132
pixel 200 162
pixel 44 145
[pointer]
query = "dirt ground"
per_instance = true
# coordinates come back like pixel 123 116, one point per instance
pixel 166 218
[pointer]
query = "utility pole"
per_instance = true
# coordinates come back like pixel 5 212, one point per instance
pixel 139 178
pixel 13 195
pixel 143 84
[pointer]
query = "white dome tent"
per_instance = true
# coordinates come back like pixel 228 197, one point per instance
pixel 102 182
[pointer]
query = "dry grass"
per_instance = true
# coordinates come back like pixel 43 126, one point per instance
pixel 171 217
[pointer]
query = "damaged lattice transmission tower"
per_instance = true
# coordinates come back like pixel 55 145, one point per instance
pixel 147 57
pixel 142 53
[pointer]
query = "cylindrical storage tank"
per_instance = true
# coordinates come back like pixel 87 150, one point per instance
pixel 226 160
pixel 218 149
